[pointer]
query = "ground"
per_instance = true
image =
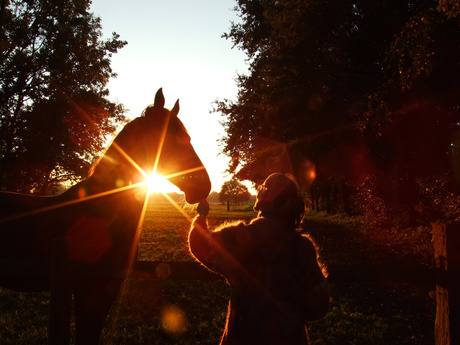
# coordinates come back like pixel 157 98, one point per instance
pixel 371 313
pixel 183 312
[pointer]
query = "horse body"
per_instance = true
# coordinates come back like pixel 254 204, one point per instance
pixel 93 230
pixel 95 222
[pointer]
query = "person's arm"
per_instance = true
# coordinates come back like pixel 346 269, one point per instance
pixel 218 250
pixel 316 296
pixel 200 243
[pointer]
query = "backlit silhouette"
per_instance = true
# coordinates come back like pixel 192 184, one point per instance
pixel 97 220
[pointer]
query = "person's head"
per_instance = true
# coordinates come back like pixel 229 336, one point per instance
pixel 278 197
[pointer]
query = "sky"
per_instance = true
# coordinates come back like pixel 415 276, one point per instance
pixel 176 45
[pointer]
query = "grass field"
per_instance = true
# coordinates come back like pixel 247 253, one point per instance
pixel 193 312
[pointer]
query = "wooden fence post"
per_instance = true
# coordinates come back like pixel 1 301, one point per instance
pixel 446 241
pixel 61 294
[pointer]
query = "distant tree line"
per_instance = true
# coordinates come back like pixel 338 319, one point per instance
pixel 358 99
pixel 54 114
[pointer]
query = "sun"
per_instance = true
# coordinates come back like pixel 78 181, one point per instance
pixel 158 184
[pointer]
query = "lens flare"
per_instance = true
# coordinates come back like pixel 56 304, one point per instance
pixel 173 319
pixel 158 184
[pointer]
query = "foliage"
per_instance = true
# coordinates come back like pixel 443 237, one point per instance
pixel 376 214
pixel 286 105
pixel 234 192
pixel 353 88
pixel 451 7
pixel 440 198
pixel 54 114
pixel 339 220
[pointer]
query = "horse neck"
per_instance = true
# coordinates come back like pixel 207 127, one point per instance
pixel 113 171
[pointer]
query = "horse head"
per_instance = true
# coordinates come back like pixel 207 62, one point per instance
pixel 158 142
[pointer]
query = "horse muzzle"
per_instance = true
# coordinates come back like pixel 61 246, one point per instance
pixel 196 186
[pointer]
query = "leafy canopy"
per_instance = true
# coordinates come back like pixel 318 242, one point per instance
pixel 349 86
pixel 54 112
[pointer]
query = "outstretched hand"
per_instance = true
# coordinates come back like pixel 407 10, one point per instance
pixel 203 208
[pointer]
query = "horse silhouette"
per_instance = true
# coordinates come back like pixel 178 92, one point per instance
pixel 95 222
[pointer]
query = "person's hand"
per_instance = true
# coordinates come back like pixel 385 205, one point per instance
pixel 203 208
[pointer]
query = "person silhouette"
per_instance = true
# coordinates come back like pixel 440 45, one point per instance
pixel 277 283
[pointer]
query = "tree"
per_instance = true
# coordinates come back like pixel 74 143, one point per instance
pixel 54 114
pixel 307 66
pixel 213 197
pixel 411 120
pixel 233 192
pixel 355 88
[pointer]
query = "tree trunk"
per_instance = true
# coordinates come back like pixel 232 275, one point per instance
pixel 446 242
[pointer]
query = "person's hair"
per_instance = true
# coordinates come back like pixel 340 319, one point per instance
pixel 279 197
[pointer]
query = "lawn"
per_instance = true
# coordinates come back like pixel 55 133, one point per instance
pixel 193 312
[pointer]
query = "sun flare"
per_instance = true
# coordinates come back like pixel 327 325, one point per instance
pixel 158 184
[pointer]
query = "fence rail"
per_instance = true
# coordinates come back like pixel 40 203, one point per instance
pixel 353 272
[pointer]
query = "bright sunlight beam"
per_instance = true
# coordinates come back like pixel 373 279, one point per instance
pixel 158 184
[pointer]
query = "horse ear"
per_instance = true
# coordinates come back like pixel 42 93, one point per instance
pixel 175 110
pixel 159 99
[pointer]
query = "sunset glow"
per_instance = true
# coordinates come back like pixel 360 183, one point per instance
pixel 158 184
pixel 189 61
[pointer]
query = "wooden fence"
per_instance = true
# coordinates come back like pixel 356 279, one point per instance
pixel 446 241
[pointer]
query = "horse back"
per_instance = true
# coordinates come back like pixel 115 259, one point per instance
pixel 97 233
pixel 29 223
pixel 12 204
pixel 24 224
